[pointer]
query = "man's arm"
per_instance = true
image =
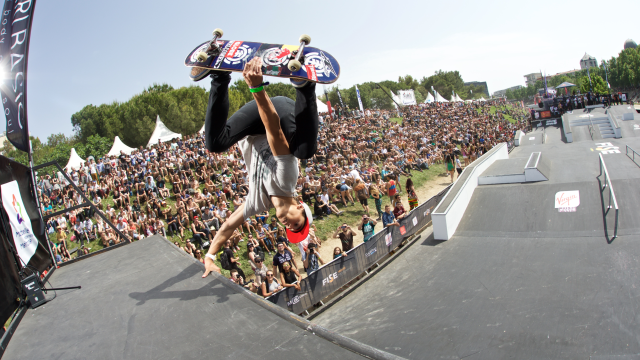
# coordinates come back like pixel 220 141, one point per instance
pixel 277 142
pixel 226 230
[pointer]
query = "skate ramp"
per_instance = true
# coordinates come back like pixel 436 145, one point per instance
pixel 147 300
pixel 517 170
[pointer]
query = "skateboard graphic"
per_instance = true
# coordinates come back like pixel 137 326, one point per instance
pixel 287 61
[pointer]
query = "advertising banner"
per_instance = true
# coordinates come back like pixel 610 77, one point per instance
pixel 408 97
pixel 17 17
pixel 359 99
pixel 25 242
pixel 340 98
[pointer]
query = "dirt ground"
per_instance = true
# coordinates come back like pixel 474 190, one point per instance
pixel 426 191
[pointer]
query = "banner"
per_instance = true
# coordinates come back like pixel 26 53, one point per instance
pixel 329 107
pixel 340 97
pixel 359 100
pixel 589 75
pixel 407 97
pixel 26 243
pixel 14 51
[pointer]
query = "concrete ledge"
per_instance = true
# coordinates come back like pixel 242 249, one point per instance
pixel 449 212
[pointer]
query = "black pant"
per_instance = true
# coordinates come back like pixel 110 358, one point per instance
pixel 298 120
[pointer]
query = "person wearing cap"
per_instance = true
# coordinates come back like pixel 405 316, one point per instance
pixel 367 226
pixel 272 160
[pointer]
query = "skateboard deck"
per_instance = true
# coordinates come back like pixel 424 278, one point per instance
pixel 318 65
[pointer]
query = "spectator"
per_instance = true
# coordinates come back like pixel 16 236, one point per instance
pixel 338 253
pixel 270 286
pixel 345 234
pixel 289 277
pixel 313 260
pixel 388 219
pixel 412 197
pixel 367 226
pixel 282 255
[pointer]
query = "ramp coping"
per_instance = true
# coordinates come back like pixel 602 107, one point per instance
pixel 537 159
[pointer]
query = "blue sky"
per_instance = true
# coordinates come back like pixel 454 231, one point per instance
pixel 94 52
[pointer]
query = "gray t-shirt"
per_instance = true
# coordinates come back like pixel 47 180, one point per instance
pixel 268 174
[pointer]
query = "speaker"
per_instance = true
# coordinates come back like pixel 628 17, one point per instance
pixel 33 288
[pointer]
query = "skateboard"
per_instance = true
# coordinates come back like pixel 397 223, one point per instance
pixel 299 62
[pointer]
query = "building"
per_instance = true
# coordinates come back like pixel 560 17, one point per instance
pixel 484 85
pixel 630 44
pixel 532 78
pixel 588 61
pixel 501 93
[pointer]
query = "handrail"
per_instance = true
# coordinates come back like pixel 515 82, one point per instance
pixel 612 195
pixel 634 154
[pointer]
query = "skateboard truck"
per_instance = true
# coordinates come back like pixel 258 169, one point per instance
pixel 295 64
pixel 213 49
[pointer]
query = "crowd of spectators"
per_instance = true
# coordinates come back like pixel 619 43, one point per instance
pixel 180 190
pixel 563 103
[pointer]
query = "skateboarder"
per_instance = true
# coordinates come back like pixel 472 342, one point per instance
pixel 272 134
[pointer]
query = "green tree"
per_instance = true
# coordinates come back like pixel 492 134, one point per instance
pixel 598 85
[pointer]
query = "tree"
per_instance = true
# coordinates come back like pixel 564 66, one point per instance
pixel 598 85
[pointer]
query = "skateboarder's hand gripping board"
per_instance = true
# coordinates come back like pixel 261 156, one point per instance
pixel 277 142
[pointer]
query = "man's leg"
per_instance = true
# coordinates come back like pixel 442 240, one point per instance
pixel 301 130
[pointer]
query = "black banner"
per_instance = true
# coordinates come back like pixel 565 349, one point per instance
pixel 17 17
pixel 340 97
pixel 337 273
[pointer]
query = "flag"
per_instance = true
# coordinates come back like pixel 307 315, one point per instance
pixel 589 75
pixel 340 97
pixel 14 51
pixel 359 99
pixel 546 90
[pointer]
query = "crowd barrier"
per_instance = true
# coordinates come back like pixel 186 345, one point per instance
pixel 337 273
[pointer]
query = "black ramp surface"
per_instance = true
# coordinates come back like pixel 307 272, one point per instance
pixel 495 298
pixel 505 167
pixel 147 300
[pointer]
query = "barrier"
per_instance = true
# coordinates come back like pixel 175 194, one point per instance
pixel 450 211
pixel 338 272
pixel 634 153
pixel 566 127
pixel 612 195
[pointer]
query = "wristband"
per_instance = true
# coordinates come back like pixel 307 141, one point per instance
pixel 212 257
pixel 256 90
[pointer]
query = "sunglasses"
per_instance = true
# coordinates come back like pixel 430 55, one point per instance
pixel 269 274
pixel 258 262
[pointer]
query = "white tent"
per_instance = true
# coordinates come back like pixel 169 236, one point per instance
pixel 429 99
pixel 201 130
pixel 118 146
pixel 456 97
pixel 482 99
pixel 322 107
pixel 439 98
pixel 75 161
pixel 162 133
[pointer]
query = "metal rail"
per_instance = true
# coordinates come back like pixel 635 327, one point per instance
pixel 634 153
pixel 612 195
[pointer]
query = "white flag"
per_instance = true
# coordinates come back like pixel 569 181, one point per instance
pixel 26 242
pixel 359 100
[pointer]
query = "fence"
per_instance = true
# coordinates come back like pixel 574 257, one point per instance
pixel 337 273
pixel 612 195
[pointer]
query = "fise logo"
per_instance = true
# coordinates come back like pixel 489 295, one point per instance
pixel 329 279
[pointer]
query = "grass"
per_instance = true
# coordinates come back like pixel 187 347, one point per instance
pixel 396 120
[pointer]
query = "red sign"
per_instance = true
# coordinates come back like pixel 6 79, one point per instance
pixel 232 50
pixel 329 106
pixel 311 72
pixel 403 230
pixel 545 114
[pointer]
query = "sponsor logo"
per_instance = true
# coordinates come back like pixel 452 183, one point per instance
pixel 607 148
pixel 329 279
pixel 427 212
pixel 388 239
pixel 636 127
pixel 222 55
pixel 233 49
pixel 273 70
pixel 371 252
pixel 276 56
pixel 567 199
pixel 321 63
pixel 30 286
pixel 18 209
pixel 552 122
pixel 311 72
pixel 415 221
pixel 295 299
pixel 403 230
pixel 567 209
pixel 342 269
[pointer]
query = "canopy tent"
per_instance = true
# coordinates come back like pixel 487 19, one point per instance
pixel 162 133
pixel 118 146
pixel 429 99
pixel 439 98
pixel 455 97
pixel 322 107
pixel 565 85
pixel 75 161
pixel 201 130
pixel 396 99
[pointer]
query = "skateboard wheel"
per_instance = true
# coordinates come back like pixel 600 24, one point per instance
pixel 202 56
pixel 218 32
pixel 306 39
pixel 294 65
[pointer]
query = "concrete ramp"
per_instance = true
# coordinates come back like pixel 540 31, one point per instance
pixel 510 171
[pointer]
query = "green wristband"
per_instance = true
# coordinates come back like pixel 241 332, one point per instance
pixel 258 89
